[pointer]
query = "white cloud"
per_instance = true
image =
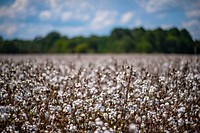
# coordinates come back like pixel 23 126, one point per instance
pixel 78 5
pixel 11 30
pixel 161 15
pixel 193 13
pixel 13 11
pixel 84 17
pixel 44 15
pixel 191 23
pixel 103 19
pixel 69 10
pixel 66 16
pixel 166 26
pixel 30 31
pixel 194 27
pixel 8 29
pixel 127 17
pixel 138 22
pixel 192 10
pixel 152 6
pixel 53 4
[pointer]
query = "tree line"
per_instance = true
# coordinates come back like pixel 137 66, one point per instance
pixel 120 40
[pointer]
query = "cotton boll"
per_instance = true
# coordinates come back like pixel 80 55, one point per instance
pixel 104 128
pixel 133 127
pixel 106 131
pixel 138 119
pixel 181 110
pixel 152 90
pixel 98 121
pixel 110 91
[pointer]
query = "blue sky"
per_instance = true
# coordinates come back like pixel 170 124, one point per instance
pixel 27 19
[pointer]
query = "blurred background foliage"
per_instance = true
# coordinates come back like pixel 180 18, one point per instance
pixel 121 40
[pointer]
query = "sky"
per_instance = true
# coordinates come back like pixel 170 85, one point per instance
pixel 27 19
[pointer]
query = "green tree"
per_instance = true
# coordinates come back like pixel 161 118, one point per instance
pixel 1 39
pixel 120 41
pixel 47 42
pixel 82 48
pixel 197 47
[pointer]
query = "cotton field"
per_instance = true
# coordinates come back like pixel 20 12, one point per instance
pixel 99 93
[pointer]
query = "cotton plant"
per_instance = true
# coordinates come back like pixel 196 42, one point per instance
pixel 61 94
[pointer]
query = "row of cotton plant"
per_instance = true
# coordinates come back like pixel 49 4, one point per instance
pixel 100 94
